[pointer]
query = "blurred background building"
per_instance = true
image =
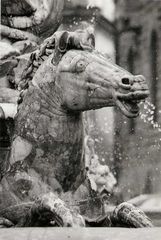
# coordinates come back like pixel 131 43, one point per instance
pixel 137 142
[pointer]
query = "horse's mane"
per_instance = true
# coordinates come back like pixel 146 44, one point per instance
pixel 36 59
pixel 58 44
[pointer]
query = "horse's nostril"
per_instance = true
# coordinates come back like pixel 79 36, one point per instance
pixel 126 81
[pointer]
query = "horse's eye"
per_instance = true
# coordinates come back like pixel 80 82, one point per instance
pixel 80 66
pixel 126 81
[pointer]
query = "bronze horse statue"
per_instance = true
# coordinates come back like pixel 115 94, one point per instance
pixel 46 164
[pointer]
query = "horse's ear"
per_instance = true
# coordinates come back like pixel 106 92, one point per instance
pixel 63 42
pixel 61 46
pixel 92 40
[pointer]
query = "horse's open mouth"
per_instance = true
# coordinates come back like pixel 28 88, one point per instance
pixel 128 103
pixel 129 108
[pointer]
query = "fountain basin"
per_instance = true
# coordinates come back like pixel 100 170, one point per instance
pixel 80 233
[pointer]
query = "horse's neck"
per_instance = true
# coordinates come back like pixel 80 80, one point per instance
pixel 41 116
pixel 55 137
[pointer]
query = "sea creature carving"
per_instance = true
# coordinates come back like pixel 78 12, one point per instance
pixel 46 165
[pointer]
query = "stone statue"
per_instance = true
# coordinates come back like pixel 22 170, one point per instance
pixel 63 78
pixel 30 20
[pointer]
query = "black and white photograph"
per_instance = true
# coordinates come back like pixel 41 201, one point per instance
pixel 80 119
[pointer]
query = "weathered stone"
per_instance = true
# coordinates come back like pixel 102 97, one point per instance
pixel 30 18
pixel 49 128
pixel 7 50
pixel 20 150
pixel 8 95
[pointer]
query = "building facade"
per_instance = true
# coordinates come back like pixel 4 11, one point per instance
pixel 137 148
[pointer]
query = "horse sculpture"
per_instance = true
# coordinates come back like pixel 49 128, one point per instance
pixel 46 165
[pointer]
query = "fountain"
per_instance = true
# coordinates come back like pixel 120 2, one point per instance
pixel 47 101
pixel 49 114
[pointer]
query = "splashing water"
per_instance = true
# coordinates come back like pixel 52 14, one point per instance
pixel 147 115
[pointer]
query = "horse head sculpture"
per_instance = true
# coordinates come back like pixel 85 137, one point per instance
pixel 92 81
pixel 47 148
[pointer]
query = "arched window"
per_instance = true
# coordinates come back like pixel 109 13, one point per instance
pixel 130 64
pixel 154 71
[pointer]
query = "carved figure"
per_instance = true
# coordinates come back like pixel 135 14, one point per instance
pixel 46 165
pixel 30 20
